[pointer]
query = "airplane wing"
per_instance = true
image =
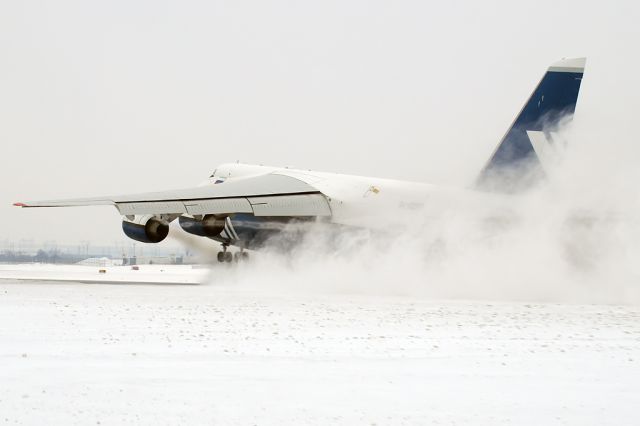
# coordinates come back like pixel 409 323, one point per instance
pixel 270 194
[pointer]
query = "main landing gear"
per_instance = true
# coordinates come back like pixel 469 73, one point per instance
pixel 227 256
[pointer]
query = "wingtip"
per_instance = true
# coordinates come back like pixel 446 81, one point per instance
pixel 20 205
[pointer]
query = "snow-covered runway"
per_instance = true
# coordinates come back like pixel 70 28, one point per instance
pixel 220 354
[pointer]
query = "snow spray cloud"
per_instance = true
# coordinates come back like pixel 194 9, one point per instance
pixel 573 238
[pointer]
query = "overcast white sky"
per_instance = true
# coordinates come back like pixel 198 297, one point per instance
pixel 126 96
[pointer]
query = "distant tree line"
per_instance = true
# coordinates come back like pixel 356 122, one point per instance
pixel 42 256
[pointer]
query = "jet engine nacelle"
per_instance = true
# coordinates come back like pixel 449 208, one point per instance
pixel 145 228
pixel 209 226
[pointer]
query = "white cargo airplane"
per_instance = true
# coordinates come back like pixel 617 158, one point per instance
pixel 248 205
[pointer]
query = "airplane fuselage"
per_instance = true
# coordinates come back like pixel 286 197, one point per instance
pixel 370 202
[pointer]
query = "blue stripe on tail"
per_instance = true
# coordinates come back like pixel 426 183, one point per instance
pixel 514 164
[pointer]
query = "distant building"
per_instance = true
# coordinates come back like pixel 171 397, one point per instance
pixel 101 261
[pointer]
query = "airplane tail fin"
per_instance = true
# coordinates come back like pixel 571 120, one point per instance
pixel 517 161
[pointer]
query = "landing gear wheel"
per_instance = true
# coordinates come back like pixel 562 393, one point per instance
pixel 228 256
pixel 221 256
pixel 241 256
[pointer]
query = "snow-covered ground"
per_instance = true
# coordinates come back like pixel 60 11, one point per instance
pixel 139 274
pixel 226 354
